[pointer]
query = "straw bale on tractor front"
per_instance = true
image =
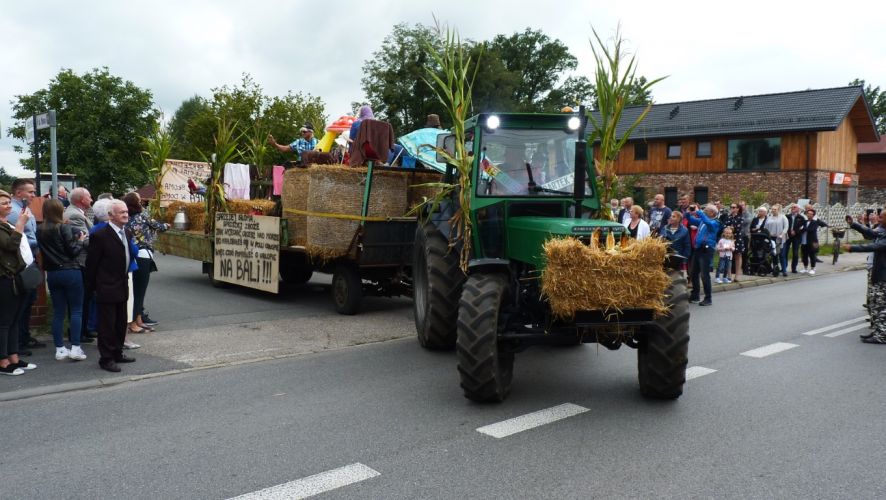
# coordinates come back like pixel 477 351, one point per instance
pixel 578 277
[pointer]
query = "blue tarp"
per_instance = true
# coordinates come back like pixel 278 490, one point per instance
pixel 421 143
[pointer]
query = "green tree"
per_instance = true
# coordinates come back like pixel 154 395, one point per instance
pixel 100 120
pixel 183 148
pixel 877 101
pixel 245 108
pixel 394 84
pixel 5 179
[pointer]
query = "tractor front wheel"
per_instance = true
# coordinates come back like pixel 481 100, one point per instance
pixel 663 353
pixel 484 370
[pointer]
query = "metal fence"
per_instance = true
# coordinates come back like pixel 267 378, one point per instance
pixel 835 217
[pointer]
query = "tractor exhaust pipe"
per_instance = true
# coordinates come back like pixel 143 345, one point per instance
pixel 581 162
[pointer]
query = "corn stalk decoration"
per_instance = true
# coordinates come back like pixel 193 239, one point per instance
pixel 256 152
pixel 157 148
pixel 225 152
pixel 614 83
pixel 452 79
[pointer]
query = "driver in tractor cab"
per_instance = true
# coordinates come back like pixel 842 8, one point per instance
pixel 502 177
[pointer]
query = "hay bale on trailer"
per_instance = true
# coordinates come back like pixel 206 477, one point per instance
pixel 296 185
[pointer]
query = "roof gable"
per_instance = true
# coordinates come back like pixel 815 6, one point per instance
pixel 802 111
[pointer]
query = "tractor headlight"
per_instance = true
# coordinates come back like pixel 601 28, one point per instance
pixel 493 122
pixel 573 123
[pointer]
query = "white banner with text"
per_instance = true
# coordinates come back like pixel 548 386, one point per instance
pixel 247 250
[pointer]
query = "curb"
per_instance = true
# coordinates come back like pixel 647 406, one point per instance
pixel 759 281
pixel 49 390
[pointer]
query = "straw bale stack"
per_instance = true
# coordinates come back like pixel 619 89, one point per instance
pixel 247 206
pixel 578 277
pixel 338 190
pixel 296 185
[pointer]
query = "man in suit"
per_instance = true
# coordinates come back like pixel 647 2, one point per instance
pixel 79 216
pixel 107 268
pixel 624 215
pixel 795 228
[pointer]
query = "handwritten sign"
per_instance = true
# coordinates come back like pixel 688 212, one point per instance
pixel 174 181
pixel 247 250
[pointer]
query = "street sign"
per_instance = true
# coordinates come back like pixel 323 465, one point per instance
pixel 45 120
pixel 29 130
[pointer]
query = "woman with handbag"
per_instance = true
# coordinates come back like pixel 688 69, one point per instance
pixel 144 230
pixel 15 255
pixel 60 246
pixel 809 240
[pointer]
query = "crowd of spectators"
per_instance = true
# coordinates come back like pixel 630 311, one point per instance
pixel 58 251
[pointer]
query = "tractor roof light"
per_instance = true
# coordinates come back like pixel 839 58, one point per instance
pixel 493 122
pixel 573 123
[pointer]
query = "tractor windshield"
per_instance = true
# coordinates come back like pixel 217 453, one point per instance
pixel 534 162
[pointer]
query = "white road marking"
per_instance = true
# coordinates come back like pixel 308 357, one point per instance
pixel 531 420
pixel 835 325
pixel 847 330
pixel 697 371
pixel 762 352
pixel 314 485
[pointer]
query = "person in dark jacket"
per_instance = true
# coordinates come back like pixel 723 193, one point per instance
pixel 792 245
pixel 13 243
pixel 809 240
pixel 61 246
pixel 678 237
pixel 877 306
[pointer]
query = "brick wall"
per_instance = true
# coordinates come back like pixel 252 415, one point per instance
pixel 781 186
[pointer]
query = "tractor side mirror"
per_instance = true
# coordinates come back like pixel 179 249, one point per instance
pixel 446 142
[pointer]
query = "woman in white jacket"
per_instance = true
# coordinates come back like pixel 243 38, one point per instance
pixel 636 226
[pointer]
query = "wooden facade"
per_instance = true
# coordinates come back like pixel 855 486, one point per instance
pixel 831 151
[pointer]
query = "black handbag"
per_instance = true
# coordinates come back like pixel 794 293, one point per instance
pixel 31 276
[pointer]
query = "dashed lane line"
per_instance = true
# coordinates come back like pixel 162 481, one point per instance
pixel 698 371
pixel 314 485
pixel 532 420
pixel 847 330
pixel 835 325
pixel 768 350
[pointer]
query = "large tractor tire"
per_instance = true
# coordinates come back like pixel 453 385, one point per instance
pixel 662 355
pixel 484 370
pixel 437 280
pixel 347 289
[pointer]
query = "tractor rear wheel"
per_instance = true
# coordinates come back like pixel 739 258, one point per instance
pixel 437 281
pixel 484 370
pixel 347 289
pixel 662 356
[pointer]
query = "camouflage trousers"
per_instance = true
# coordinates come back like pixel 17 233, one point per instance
pixel 867 297
pixel 877 307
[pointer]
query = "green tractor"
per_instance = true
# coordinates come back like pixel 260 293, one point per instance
pixel 529 184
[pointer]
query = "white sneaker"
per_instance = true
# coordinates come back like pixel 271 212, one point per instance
pixel 719 280
pixel 62 353
pixel 727 280
pixel 804 270
pixel 812 272
pixel 77 353
pixel 127 344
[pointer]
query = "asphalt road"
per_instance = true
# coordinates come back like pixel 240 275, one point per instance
pixel 804 422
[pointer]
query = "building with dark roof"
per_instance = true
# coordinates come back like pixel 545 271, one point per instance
pixel 790 145
pixel 872 171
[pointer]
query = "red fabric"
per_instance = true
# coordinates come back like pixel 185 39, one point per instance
pixel 375 138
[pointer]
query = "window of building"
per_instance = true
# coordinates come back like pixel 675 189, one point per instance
pixel 754 154
pixel 641 151
pixel 700 194
pixel 670 195
pixel 703 149
pixel 673 150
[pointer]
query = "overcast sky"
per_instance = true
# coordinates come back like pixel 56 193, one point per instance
pixel 180 48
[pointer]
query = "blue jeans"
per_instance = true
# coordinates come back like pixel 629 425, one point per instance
pixel 66 290
pixel 725 266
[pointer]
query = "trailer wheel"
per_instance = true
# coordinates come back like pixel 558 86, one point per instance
pixel 437 282
pixel 484 370
pixel 347 289
pixel 295 269
pixel 662 356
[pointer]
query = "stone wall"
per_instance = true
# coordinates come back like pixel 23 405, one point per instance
pixel 780 186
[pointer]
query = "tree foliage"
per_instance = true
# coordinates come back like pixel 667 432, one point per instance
pixel 100 120
pixel 877 101
pixel 246 108
pixel 5 179
pixel 522 72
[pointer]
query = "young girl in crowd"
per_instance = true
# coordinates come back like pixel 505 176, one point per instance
pixel 725 247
